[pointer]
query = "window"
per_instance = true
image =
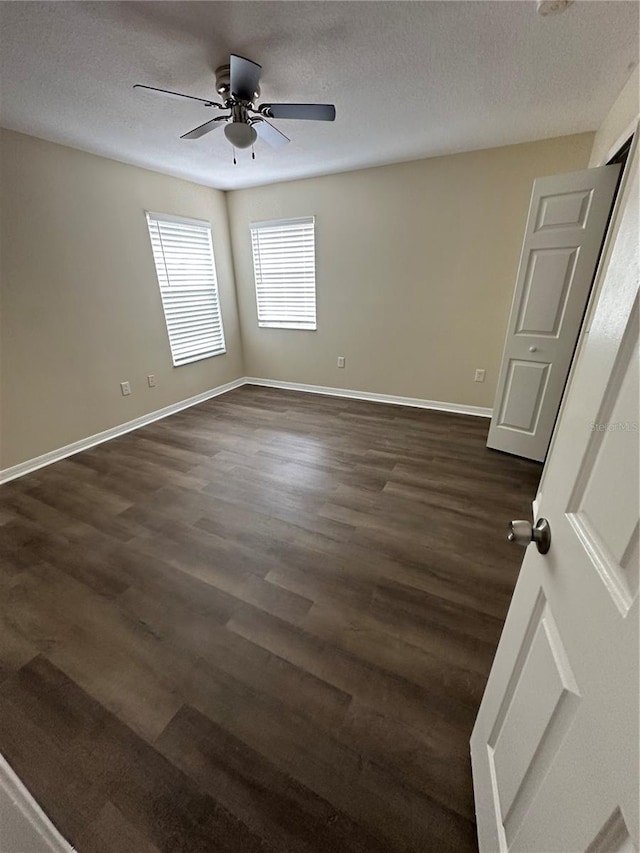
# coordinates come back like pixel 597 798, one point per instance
pixel 284 264
pixel 183 254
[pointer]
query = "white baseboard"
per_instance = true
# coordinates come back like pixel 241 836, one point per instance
pixel 24 821
pixel 85 443
pixel 415 402
pixel 30 465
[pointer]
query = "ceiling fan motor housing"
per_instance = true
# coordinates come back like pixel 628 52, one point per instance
pixel 223 83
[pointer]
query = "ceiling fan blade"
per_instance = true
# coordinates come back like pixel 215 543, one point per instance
pixel 312 112
pixel 207 127
pixel 167 94
pixel 245 77
pixel 270 134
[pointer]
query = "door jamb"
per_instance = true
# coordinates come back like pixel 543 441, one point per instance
pixel 631 138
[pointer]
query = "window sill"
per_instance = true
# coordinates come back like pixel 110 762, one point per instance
pixel 199 358
pixel 291 326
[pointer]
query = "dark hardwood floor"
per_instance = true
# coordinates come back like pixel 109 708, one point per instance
pixel 264 623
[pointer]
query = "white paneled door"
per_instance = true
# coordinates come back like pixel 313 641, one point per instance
pixel 555 746
pixel 568 216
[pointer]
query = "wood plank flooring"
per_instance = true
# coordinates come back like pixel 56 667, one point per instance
pixel 262 624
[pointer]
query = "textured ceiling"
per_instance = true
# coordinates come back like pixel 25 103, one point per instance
pixel 409 79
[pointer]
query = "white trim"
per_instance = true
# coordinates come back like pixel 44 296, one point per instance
pixel 30 465
pixel 620 141
pixel 21 799
pixel 457 408
pixel 85 443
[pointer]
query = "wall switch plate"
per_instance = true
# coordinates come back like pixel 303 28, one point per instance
pixel 151 380
pixel 340 361
pixel 125 388
pixel 480 373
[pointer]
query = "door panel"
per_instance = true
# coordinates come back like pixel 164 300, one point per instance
pixel 609 529
pixel 537 708
pixel 547 285
pixel 555 745
pixel 563 210
pixel 568 215
pixel 525 390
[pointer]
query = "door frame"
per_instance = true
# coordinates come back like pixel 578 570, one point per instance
pixel 625 193
pixel 630 136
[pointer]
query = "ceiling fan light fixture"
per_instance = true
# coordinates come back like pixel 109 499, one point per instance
pixel 240 135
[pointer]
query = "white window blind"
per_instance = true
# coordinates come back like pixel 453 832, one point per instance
pixel 183 254
pixel 284 265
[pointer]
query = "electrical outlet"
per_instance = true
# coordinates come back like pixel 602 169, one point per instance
pixel 151 380
pixel 125 388
pixel 480 373
pixel 340 361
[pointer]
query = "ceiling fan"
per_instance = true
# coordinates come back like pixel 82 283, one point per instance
pixel 238 85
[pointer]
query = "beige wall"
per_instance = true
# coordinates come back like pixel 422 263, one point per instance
pixel 416 265
pixel 81 310
pixel 619 121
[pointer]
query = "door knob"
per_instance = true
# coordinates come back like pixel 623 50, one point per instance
pixel 522 533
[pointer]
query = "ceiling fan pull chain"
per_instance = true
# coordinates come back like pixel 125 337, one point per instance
pixel 235 162
pixel 253 153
